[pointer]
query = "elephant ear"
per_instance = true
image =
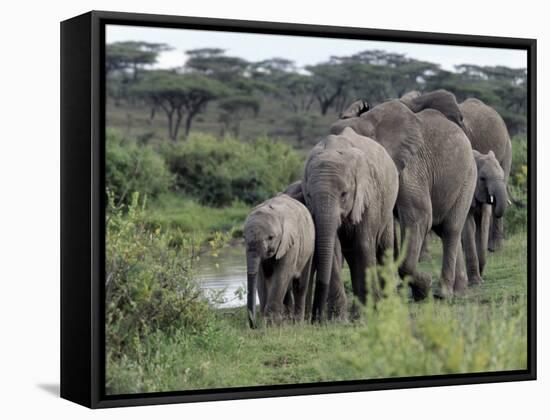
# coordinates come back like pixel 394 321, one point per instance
pixel 355 109
pixel 363 182
pixel 295 190
pixel 288 232
pixel 440 100
pixel 477 155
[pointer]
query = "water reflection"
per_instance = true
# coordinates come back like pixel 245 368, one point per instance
pixel 224 274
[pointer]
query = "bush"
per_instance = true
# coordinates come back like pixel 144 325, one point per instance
pixel 219 171
pixel 131 167
pixel 148 284
pixel 516 216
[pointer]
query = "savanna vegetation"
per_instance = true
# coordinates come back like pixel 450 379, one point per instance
pixel 191 150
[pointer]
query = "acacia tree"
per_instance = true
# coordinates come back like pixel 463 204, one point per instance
pixel 234 109
pixel 181 96
pixel 132 56
pixel 213 62
pixel 328 83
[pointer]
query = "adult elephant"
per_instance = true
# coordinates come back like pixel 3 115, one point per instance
pixel 485 129
pixel 437 178
pixel 337 300
pixel 350 186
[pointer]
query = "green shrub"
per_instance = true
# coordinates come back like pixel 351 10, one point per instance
pixel 516 216
pixel 148 282
pixel 219 171
pixel 463 335
pixel 132 167
pixel 518 171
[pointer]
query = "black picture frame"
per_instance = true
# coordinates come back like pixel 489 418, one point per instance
pixel 83 217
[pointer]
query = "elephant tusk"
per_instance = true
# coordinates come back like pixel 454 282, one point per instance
pixel 491 199
pixel 509 202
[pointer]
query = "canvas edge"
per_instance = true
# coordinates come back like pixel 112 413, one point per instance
pixel 88 389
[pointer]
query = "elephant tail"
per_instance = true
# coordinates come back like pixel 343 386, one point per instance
pixel 516 202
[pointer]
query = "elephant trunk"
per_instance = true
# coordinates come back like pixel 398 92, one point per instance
pixel 252 267
pixel 326 227
pixel 500 198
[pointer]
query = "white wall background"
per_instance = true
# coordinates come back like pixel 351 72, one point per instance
pixel 29 209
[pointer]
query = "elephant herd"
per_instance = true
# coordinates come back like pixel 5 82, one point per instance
pixel 423 163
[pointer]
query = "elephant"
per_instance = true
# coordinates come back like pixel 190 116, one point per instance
pixel 410 95
pixel 437 178
pixel 337 300
pixel 280 239
pixel 350 186
pixel 441 100
pixel 486 131
pixel 490 198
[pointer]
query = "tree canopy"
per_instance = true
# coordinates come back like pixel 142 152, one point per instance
pixel 179 95
pixel 242 89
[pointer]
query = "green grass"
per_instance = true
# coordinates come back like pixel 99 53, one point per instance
pixel 174 211
pixel 484 331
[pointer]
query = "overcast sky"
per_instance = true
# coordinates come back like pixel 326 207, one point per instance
pixel 305 50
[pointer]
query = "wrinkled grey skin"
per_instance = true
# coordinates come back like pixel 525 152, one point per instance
pixel 355 109
pixel 437 178
pixel 280 238
pixel 350 186
pixel 485 129
pixel 442 100
pixel 490 198
pixel 337 301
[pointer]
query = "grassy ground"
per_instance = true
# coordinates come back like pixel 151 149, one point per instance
pixel 484 331
pixel 174 211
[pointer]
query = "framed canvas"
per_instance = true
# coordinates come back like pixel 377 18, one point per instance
pixel 257 209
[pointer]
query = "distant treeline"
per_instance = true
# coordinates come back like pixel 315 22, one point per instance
pixel 240 89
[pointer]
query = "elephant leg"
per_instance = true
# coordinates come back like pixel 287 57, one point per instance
pixel 425 251
pixel 357 267
pixel 469 245
pixel 362 256
pixel 461 278
pixel 309 294
pixel 396 239
pixel 496 235
pixel 420 282
pixel 482 235
pixel 337 302
pixel 387 241
pixel 277 287
pixel 262 292
pixel 300 289
pixel 288 303
pixel 451 246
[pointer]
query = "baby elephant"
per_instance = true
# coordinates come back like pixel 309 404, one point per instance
pixel 490 197
pixel 280 240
